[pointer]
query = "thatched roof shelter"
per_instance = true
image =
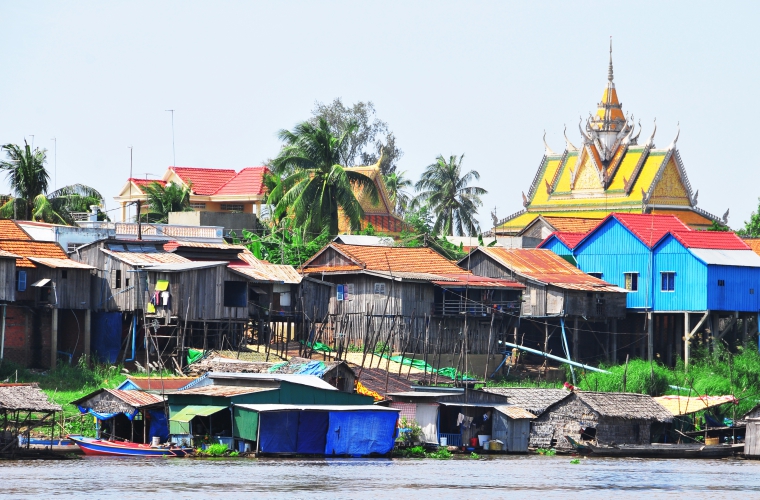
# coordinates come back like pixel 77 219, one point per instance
pixel 533 399
pixel 25 397
pixel 626 405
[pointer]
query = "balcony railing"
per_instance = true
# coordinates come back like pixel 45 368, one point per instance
pixel 450 307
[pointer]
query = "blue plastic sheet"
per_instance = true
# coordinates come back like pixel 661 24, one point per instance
pixel 312 430
pixel 278 431
pixel 159 426
pixel 106 336
pixel 358 433
pixel 105 416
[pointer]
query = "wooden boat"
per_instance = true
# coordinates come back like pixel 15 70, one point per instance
pixel 91 446
pixel 664 450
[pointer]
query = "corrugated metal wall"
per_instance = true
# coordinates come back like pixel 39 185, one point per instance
pixel 739 291
pixel 690 290
pixel 613 251
pixel 556 246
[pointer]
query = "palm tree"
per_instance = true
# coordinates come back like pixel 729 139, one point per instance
pixel 445 191
pixel 163 200
pixel 315 185
pixel 396 184
pixel 28 177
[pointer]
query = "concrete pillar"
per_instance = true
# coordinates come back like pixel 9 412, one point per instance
pixel 54 339
pixel 123 211
pixel 686 339
pixel 650 336
pixel 87 323
pixel 574 355
pixel 613 349
pixel 258 209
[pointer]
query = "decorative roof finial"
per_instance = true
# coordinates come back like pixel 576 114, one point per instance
pixel 609 73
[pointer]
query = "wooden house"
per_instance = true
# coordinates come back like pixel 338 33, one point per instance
pixel 556 292
pixel 410 293
pixel 678 280
pixel 50 294
pixel 602 417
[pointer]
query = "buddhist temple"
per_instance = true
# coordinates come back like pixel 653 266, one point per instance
pixel 609 172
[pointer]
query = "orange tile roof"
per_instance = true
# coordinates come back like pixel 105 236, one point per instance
pixel 27 248
pixel 9 230
pixel 572 224
pixel 205 181
pixel 754 244
pixel 248 181
pixel 415 260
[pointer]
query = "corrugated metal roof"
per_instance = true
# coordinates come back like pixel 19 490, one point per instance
pixel 189 412
pixel 547 267
pixel 514 412
pixel 184 266
pixel 718 240
pixel 157 384
pixel 173 245
pixel 682 405
pixel 275 407
pixel 146 259
pixel 8 255
pixel 222 390
pixel 310 380
pixel 740 258
pixel 136 398
pixel 459 280
pixel 59 263
pixel 422 394
pixel 361 239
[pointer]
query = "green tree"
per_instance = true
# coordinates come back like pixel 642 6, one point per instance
pixel 751 228
pixel 29 180
pixel 316 185
pixel 396 184
pixel 162 200
pixel 446 192
pixel 369 141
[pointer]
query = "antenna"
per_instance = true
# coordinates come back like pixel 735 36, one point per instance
pixel 174 153
pixel 55 160
pixel 130 175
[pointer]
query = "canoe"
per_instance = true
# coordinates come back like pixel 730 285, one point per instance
pixel 663 450
pixel 91 446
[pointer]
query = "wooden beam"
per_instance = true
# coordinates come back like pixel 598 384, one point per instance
pixel 729 326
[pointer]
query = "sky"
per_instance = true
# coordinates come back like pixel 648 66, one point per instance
pixel 483 79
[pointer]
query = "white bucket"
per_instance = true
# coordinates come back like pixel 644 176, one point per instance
pixel 156 441
pixel 444 441
pixel 482 438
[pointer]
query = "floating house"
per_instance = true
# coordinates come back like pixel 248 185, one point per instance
pixel 130 415
pixel 413 292
pixel 609 171
pixel 678 280
pixel 556 292
pixel 603 417
pixel 48 303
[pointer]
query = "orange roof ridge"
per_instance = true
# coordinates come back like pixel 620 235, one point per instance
pixel 10 230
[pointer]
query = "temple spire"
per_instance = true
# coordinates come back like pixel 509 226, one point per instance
pixel 609 73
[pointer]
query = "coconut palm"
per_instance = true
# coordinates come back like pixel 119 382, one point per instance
pixel 164 199
pixel 446 192
pixel 29 180
pixel 396 184
pixel 315 185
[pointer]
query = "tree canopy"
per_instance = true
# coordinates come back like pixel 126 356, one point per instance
pixel 162 200
pixel 751 227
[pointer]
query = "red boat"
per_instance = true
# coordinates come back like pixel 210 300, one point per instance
pixel 92 446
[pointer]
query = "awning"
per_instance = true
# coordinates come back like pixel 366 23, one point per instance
pixel 258 290
pixel 187 413
pixel 41 283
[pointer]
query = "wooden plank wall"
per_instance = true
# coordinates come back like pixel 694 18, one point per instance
pixel 8 279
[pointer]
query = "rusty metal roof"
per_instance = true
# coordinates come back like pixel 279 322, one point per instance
pixel 59 263
pixel 459 280
pixel 222 390
pixel 264 271
pixel 136 398
pixel 145 259
pixel 547 267
pixel 157 384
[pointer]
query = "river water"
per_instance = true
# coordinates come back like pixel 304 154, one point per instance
pixel 424 479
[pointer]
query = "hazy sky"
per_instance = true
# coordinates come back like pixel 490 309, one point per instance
pixel 480 78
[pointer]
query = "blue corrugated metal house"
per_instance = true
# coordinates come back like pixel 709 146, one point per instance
pixel 669 268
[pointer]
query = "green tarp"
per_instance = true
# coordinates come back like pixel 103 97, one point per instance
pixel 193 355
pixel 187 413
pixel 246 423
pixel 318 346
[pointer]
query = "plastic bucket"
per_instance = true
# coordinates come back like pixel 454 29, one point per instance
pixel 155 441
pixel 483 438
pixel 444 441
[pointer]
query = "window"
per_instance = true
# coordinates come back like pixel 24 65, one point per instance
pixel 71 247
pixel 345 291
pixel 668 281
pixel 632 282
pixel 117 279
pixel 198 206
pixel 721 282
pixel 341 293
pixel 64 274
pixel 752 291
pixel 232 207
pixel 596 275
pixel 379 288
pixel 235 294
pixel 21 281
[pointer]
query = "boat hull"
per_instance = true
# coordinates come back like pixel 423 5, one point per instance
pixel 663 451
pixel 96 447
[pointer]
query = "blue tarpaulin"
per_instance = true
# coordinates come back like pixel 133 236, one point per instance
pixel 106 336
pixel 278 431
pixel 312 429
pixel 360 432
pixel 105 416
pixel 159 426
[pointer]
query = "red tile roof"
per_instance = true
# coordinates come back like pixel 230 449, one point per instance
pixel 9 230
pixel 546 266
pixel 27 248
pixel 569 239
pixel 248 181
pixel 205 181
pixel 716 240
pixel 146 182
pixel 650 228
